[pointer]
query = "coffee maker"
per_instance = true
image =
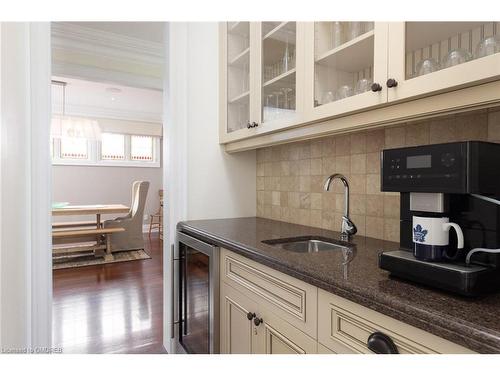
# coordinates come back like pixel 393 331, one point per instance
pixel 453 185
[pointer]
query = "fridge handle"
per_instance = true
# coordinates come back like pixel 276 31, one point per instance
pixel 172 295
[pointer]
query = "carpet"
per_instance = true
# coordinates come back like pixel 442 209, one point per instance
pixel 79 260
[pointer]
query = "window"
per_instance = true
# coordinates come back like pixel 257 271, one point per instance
pixel 113 149
pixel 141 148
pixel 112 146
pixel 74 148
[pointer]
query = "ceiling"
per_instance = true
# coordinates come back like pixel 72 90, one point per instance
pixel 150 31
pixel 96 99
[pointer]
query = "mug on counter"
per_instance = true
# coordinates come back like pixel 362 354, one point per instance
pixel 431 237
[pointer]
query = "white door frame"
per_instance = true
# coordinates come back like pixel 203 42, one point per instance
pixel 25 186
pixel 174 163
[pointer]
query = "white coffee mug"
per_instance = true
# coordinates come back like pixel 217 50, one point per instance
pixel 431 237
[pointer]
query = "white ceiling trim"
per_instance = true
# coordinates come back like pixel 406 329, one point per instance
pixel 110 113
pixel 65 69
pixel 76 38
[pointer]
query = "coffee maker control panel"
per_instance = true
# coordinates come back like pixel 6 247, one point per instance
pixel 432 168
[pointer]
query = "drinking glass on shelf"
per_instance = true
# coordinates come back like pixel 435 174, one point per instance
pixel 369 26
pixel 355 29
pixel 363 85
pixel 426 66
pixel 344 91
pixel 328 96
pixel 488 46
pixel 456 57
pixel 286 92
pixel 337 34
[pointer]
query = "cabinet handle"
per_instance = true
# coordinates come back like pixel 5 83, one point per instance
pixel 257 321
pixel 380 343
pixel 391 82
pixel 250 315
pixel 376 87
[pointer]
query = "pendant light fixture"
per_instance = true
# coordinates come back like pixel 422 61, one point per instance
pixel 63 126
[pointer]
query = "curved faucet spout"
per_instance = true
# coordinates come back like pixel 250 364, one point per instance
pixel 348 228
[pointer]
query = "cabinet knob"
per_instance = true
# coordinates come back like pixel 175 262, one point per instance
pixel 257 321
pixel 391 82
pixel 380 343
pixel 249 125
pixel 250 315
pixel 376 87
pixel 254 124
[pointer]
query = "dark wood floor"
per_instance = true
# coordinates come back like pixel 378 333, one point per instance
pixel 112 308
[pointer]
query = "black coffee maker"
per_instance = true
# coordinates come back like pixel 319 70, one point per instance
pixel 459 181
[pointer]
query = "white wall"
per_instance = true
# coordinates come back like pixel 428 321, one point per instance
pixel 103 185
pixel 219 185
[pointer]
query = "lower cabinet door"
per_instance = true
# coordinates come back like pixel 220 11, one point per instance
pixel 237 331
pixel 276 336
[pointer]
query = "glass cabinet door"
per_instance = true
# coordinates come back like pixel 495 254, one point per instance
pixel 432 56
pixel 344 65
pixel 279 71
pixel 238 75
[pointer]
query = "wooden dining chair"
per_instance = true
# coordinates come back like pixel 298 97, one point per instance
pixel 156 220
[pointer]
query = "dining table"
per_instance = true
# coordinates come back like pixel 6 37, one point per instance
pixel 91 209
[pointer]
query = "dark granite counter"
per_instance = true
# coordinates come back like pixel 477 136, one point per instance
pixel 473 323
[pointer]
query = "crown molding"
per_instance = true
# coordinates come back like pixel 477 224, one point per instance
pixel 71 70
pixel 110 113
pixel 76 38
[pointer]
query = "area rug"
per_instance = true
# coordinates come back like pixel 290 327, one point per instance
pixel 78 260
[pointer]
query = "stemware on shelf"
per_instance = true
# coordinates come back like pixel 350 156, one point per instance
pixel 328 96
pixel 363 85
pixel 337 34
pixel 355 29
pixel 455 57
pixel 286 92
pixel 426 66
pixel 344 91
pixel 488 46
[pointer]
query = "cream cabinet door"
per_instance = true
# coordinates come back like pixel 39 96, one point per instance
pixel 342 61
pixel 432 57
pixel 238 334
pixel 276 336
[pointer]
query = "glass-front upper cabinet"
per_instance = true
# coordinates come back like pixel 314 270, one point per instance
pixel 346 65
pixel 278 66
pixel 236 57
pixel 426 57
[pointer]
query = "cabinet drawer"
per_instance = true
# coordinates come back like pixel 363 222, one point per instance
pixel 285 296
pixel 344 327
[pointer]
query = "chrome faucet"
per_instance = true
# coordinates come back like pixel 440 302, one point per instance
pixel 348 228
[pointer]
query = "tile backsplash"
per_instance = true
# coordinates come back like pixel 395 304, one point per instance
pixel 290 177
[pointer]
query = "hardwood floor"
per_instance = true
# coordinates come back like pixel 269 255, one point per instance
pixel 112 308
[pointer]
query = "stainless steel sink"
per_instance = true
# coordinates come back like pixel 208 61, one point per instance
pixel 310 244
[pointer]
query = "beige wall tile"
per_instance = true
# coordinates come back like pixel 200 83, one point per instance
pixel 268 169
pixel 358 143
pixel 373 184
pixel 494 126
pixel 374 205
pixel 391 229
pixel 305 184
pixel 357 204
pixel 276 212
pixel 329 166
pixel 316 201
pixel 357 183
pixel 328 146
pixel 343 164
pixel 305 150
pixel 395 137
pixel 276 200
pixel 443 130
pixel 343 145
pixel 284 199
pixel 305 217
pixel 268 198
pixel 285 168
pixel 260 183
pixel 305 167
pixel 305 200
pixel 391 206
pixel 360 222
pixel 417 134
pixel 316 148
pixel 316 167
pixel 276 165
pixel 316 218
pixel 260 198
pixel 358 164
pixel 473 127
pixel 285 214
pixel 373 162
pixel 374 227
pixel 317 183
pixel 294 168
pixel 375 140
pixel 260 169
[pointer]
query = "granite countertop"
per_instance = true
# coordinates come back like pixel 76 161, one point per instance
pixel 473 323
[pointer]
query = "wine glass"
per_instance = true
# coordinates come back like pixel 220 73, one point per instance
pixel 488 46
pixel 328 96
pixel 337 34
pixel 456 57
pixel 363 85
pixel 344 91
pixel 426 66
